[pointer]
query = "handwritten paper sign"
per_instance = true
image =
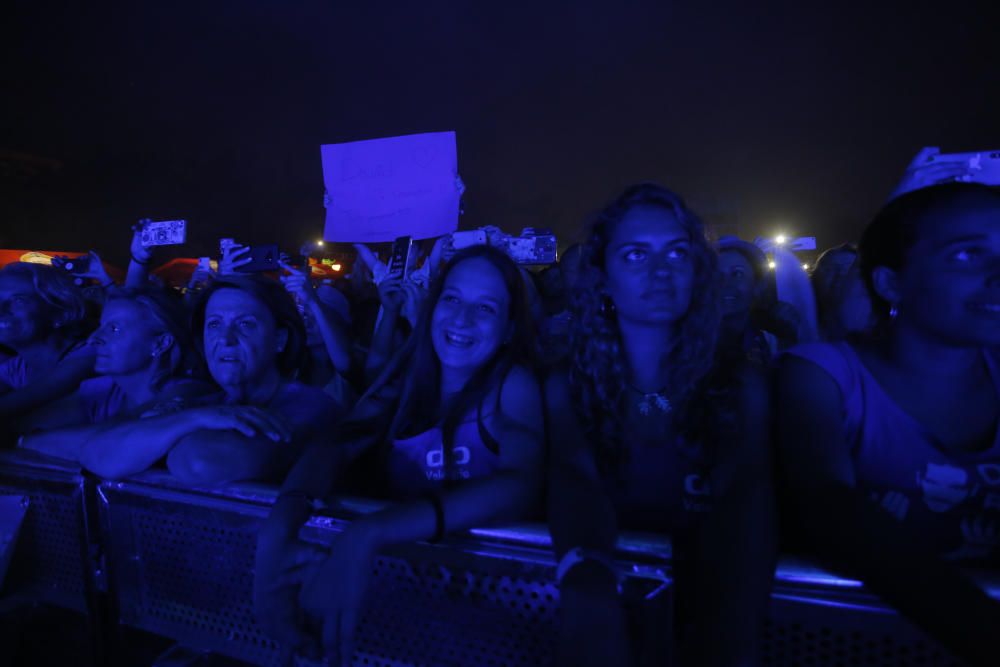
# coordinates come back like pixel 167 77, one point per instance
pixel 381 189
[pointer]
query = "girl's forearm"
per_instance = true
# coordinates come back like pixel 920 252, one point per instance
pixel 505 496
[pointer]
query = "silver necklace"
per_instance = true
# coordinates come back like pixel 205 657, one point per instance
pixel 649 401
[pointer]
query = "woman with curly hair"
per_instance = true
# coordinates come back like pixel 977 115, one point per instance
pixel 653 435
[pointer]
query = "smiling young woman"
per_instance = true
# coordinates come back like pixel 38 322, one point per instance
pixel 452 429
pixel 890 441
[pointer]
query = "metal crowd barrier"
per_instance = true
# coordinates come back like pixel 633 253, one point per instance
pixel 179 562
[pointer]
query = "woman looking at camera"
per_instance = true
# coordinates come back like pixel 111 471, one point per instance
pixel 453 433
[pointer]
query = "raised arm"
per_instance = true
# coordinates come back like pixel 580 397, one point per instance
pixel 336 337
pixel 854 534
pixel 391 293
pixel 137 275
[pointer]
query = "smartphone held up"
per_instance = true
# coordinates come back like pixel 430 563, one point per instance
pixel 164 232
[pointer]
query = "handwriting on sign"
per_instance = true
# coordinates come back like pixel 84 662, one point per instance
pixel 381 189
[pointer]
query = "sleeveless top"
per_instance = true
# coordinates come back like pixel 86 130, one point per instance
pixel 417 464
pixel 950 498
pixel 664 483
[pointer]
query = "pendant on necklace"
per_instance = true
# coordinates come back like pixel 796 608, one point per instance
pixel 649 401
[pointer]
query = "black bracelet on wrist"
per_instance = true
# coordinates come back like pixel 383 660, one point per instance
pixel 138 261
pixel 435 501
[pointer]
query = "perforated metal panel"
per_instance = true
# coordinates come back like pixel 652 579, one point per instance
pixel 441 612
pixel 48 563
pixel 185 570
pixel 829 633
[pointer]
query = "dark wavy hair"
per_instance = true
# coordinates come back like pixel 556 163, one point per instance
pixel 279 302
pixel 408 391
pixel 897 228
pixel 598 368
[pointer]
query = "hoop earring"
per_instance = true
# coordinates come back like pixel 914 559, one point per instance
pixel 893 312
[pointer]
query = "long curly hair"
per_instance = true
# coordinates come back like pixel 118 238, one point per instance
pixel 598 368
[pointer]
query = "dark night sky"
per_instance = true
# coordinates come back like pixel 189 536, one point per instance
pixel 800 118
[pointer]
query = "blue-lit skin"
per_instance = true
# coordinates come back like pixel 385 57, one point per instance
pixel 132 349
pixel 242 342
pixel 659 272
pixel 27 322
pixel 649 279
pixel 250 430
pixel 736 295
pixel 469 321
pixel 948 291
pixel 471 316
pixel 842 300
pixel 649 268
pixel 128 341
pixel 929 362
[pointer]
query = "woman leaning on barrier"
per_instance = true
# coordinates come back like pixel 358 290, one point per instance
pixel 143 352
pixel 650 432
pixel 452 430
pixel 890 442
pixel 253 342
pixel 42 320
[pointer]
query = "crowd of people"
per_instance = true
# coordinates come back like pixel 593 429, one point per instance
pixel 650 380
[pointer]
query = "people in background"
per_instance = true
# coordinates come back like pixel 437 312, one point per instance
pixel 649 433
pixel 889 443
pixel 326 317
pixel 452 431
pixel 42 321
pixel 743 295
pixel 843 306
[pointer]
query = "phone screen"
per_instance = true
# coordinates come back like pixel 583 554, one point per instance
pixel 263 258
pixel 401 248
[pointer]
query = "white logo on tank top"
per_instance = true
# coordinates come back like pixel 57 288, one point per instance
pixel 435 457
pixel 944 487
